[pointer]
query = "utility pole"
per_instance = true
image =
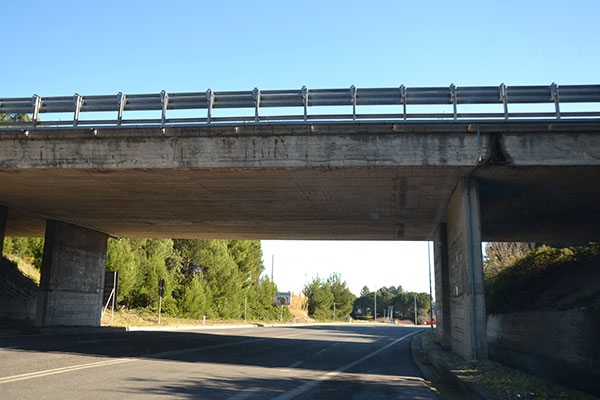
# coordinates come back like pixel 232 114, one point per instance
pixel 375 309
pixel 334 310
pixel 415 309
pixel 272 266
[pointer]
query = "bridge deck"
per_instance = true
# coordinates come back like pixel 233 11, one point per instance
pixel 381 181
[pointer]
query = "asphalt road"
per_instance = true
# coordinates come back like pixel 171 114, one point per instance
pixel 309 362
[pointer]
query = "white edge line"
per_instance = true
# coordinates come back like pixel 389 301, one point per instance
pixel 61 370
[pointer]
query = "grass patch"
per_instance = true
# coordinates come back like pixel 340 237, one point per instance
pixel 512 384
pixel 26 268
pixel 146 317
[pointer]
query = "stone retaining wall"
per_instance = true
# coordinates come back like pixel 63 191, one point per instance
pixel 560 345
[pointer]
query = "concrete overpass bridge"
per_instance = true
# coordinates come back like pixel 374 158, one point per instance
pixel 458 178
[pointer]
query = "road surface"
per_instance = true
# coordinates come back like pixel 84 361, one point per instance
pixel 307 362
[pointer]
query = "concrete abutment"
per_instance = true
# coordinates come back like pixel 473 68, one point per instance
pixel 72 279
pixel 459 275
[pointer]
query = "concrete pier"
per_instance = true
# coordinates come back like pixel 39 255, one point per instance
pixel 72 279
pixel 442 286
pixel 467 291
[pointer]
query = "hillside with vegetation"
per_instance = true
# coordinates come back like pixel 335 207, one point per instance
pixel 528 276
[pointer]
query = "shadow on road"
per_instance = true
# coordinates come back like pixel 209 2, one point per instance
pixel 344 387
pixel 254 361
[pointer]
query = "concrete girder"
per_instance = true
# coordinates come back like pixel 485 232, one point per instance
pixel 360 181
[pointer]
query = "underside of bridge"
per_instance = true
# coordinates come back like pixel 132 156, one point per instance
pixel 459 183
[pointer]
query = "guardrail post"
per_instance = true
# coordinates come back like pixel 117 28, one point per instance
pixel 305 101
pixel 210 98
pixel 122 100
pixel 353 93
pixel 78 100
pixel 555 98
pixel 164 100
pixel 256 95
pixel 453 99
pixel 403 99
pixel 504 99
pixel 37 104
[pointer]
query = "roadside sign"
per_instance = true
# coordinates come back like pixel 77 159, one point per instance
pixel 283 298
pixel 161 288
pixel 161 293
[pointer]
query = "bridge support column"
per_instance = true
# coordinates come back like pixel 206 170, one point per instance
pixel 442 286
pixel 467 293
pixel 3 221
pixel 72 279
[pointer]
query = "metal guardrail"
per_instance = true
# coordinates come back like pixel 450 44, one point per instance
pixel 303 99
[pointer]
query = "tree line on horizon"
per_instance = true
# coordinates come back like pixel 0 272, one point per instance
pixel 403 304
pixel 331 299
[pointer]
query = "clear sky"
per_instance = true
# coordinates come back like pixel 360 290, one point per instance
pixel 62 47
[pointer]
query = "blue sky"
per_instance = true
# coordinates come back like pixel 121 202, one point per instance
pixel 146 46
pixel 59 48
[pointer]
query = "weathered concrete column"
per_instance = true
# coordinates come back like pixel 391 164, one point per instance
pixel 3 220
pixel 467 292
pixel 72 278
pixel 442 286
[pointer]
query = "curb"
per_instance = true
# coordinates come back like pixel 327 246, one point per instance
pixel 63 330
pixel 441 361
pixel 210 327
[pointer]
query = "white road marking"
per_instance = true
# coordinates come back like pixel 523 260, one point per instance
pixel 296 364
pixel 325 349
pixel 39 374
pixel 245 394
pixel 194 349
pixel 102 340
pixel 310 385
